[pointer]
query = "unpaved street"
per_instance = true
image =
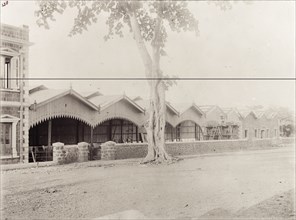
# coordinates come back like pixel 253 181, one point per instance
pixel 234 184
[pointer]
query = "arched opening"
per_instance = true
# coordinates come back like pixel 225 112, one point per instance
pixel 66 130
pixel 117 130
pixel 188 131
pixel 170 132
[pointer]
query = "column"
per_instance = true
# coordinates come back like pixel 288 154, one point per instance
pixel 49 133
pixel 13 141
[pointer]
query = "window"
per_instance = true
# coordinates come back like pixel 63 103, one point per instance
pixel 189 131
pixel 117 130
pixel 6 147
pixel 246 133
pixel 169 132
pixel 256 133
pixel 8 136
pixel 9 72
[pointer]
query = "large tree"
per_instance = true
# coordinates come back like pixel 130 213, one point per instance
pixel 148 21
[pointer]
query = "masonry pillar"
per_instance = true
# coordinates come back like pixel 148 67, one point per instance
pixel 13 139
pixel 108 150
pixel 83 152
pixel 58 153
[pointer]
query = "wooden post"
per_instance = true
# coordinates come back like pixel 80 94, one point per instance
pixel 137 135
pixel 77 132
pixel 195 136
pixel 91 142
pixel 110 131
pixel 49 133
pixel 91 135
pixel 48 138
pixel 121 125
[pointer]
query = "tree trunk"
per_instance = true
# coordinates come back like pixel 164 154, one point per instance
pixel 157 111
pixel 155 126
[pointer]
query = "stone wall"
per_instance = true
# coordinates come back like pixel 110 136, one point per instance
pixel 124 151
pixel 139 150
pixel 288 140
pixel 112 151
pixel 63 154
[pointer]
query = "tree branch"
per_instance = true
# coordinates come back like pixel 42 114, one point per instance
pixel 141 44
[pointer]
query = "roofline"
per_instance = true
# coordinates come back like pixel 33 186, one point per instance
pixel 196 108
pixel 69 92
pixel 253 113
pixel 235 111
pixel 172 108
pixel 126 98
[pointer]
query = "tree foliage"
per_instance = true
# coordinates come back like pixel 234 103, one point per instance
pixel 173 14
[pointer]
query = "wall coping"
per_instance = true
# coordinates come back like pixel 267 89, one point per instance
pixel 10 90
pixel 9 157
pixel 185 142
pixel 192 142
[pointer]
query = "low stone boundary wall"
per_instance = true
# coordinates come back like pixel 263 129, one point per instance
pixel 135 150
pixel 111 151
pixel 63 154
pixel 288 140
pixel 139 150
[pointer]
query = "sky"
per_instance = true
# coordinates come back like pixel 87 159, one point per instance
pixel 250 40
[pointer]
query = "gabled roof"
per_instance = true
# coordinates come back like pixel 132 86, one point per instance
pixel 141 102
pixel 246 113
pixel 90 94
pixel 182 107
pixel 169 106
pixel 270 114
pixel 146 103
pixel 43 97
pixel 227 111
pixel 105 101
pixel 209 108
pixel 259 114
pixel 206 108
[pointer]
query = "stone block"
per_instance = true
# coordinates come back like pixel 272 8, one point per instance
pixel 83 151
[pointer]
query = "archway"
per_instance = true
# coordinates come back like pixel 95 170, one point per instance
pixel 188 131
pixel 61 129
pixel 66 130
pixel 170 132
pixel 118 130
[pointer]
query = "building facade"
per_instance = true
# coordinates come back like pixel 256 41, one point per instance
pixel 14 95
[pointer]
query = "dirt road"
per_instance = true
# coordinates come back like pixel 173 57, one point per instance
pixel 209 186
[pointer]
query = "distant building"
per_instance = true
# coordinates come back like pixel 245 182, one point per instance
pixel 14 119
pixel 260 124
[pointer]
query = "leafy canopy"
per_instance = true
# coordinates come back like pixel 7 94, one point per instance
pixel 173 14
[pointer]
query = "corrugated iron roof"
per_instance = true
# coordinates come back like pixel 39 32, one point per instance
pixel 206 108
pixel 44 95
